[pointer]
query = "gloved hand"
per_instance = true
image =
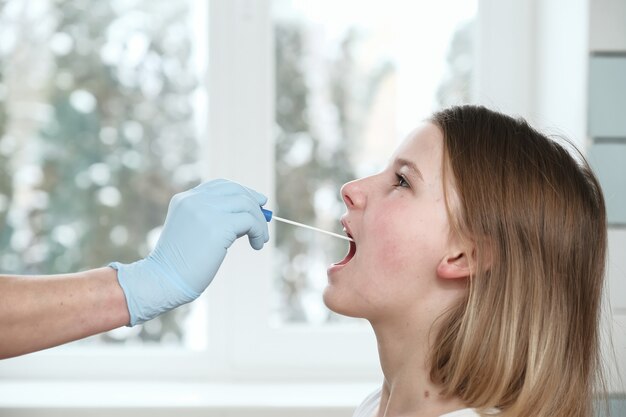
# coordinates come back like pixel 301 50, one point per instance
pixel 200 226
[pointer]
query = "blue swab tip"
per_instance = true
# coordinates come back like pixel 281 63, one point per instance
pixel 267 213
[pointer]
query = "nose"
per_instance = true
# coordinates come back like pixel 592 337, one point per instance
pixel 353 194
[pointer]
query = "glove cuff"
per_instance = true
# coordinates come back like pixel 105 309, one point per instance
pixel 149 293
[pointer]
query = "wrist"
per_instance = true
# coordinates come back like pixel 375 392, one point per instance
pixel 114 303
pixel 149 290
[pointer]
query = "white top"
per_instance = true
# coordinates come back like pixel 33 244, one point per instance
pixel 369 407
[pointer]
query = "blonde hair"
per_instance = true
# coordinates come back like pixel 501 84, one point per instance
pixel 526 337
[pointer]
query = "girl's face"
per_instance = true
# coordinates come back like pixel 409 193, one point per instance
pixel 399 224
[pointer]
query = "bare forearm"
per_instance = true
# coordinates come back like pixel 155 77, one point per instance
pixel 38 312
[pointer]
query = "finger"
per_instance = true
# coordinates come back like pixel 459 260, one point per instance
pixel 240 203
pixel 246 224
pixel 211 184
pixel 227 187
pixel 256 243
pixel 235 198
pixel 220 187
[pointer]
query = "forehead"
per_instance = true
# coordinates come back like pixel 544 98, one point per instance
pixel 424 147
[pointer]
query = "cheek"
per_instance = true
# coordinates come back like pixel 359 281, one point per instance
pixel 400 248
pixel 403 260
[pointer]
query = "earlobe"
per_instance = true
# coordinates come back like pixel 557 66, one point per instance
pixel 454 267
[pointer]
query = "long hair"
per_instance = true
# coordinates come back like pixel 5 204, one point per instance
pixel 526 337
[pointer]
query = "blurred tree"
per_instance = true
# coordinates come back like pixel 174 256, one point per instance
pixel 6 188
pixel 118 139
pixel 456 87
pixel 309 160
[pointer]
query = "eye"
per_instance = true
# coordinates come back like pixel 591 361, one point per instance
pixel 401 181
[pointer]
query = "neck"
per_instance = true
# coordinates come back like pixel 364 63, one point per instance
pixel 407 390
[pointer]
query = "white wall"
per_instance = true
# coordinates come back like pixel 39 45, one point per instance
pixel 608 25
pixel 607 33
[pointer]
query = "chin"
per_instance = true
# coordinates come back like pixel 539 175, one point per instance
pixel 327 296
pixel 338 304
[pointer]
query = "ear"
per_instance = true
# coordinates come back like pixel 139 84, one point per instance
pixel 455 266
pixel 462 259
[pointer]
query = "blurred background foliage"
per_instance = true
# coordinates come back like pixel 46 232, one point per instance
pixel 96 134
pixel 313 161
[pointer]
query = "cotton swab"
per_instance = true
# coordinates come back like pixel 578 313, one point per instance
pixel 269 216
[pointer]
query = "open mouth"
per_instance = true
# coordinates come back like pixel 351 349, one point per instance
pixel 351 251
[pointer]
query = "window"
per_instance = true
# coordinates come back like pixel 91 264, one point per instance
pixel 98 103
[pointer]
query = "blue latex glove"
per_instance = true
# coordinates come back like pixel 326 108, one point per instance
pixel 200 226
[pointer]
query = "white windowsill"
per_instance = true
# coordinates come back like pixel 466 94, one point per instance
pixel 118 398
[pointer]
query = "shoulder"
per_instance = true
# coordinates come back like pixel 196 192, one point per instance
pixel 369 406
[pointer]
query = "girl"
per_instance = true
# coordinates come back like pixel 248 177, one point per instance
pixel 478 259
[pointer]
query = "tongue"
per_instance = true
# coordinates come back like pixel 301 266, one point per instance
pixel 349 255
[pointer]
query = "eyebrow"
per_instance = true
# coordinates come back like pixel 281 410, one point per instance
pixel 410 165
